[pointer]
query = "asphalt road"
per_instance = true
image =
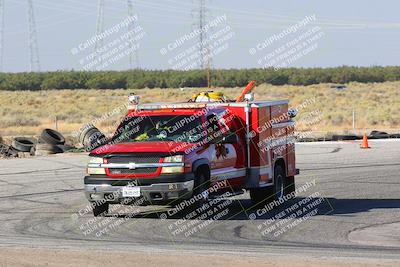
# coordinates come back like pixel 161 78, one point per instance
pixel 349 207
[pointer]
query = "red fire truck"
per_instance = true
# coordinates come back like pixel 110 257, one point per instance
pixel 168 152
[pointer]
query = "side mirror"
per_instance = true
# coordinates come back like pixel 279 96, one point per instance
pixel 230 139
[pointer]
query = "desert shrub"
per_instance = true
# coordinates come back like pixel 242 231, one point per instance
pixel 194 78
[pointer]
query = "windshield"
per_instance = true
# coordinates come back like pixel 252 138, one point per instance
pixel 181 128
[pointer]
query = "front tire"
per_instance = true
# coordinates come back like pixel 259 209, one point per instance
pixel 201 186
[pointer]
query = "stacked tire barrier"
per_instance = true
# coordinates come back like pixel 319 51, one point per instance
pixel 49 142
pixel 91 138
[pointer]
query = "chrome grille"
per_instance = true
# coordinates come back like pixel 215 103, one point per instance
pixel 135 159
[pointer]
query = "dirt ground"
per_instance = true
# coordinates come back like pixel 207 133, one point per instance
pixel 48 257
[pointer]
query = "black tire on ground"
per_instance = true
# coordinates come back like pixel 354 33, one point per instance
pixel 4 150
pixel 93 139
pixel 12 152
pixel 340 137
pixel 23 144
pixel 96 140
pixel 201 186
pixel 46 149
pixel 377 133
pixel 65 148
pixel 91 135
pixel 100 210
pixel 84 132
pixel 52 137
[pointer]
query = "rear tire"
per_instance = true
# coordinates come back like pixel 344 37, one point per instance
pixel 279 182
pixel 100 210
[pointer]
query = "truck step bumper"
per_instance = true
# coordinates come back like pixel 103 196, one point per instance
pixel 161 192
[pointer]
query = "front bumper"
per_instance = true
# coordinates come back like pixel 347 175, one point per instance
pixel 152 190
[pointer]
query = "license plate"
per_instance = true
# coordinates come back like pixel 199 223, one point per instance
pixel 131 191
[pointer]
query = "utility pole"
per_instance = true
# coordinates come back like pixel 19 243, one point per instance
pixel 1 33
pixel 99 25
pixel 33 44
pixel 133 55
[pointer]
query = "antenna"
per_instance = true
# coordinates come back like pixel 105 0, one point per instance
pixel 99 25
pixel 133 56
pixel 33 44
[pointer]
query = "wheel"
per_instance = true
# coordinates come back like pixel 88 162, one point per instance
pixel 100 210
pixel 279 183
pixel 201 186
pixel 261 195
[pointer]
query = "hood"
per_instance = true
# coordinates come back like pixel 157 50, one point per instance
pixel 144 147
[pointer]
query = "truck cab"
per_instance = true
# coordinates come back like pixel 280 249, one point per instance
pixel 168 152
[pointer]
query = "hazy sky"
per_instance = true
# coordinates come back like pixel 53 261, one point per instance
pixel 355 32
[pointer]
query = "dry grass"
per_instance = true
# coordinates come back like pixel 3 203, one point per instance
pixel 377 106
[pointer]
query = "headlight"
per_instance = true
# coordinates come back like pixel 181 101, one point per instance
pixel 173 159
pixel 176 158
pixel 96 160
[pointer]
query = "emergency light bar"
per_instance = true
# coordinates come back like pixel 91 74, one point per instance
pixel 170 106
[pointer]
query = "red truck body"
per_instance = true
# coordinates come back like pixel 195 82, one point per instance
pixel 190 145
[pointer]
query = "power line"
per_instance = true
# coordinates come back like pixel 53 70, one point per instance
pixel 33 43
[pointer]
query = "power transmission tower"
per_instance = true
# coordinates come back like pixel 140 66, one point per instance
pixel 99 25
pixel 133 56
pixel 205 53
pixel 1 33
pixel 200 16
pixel 33 43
